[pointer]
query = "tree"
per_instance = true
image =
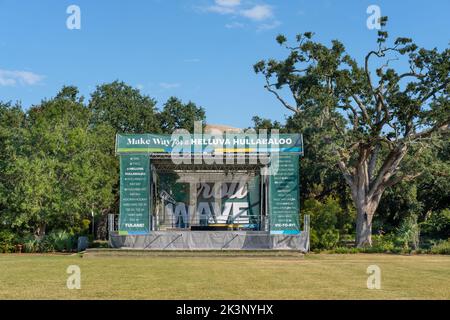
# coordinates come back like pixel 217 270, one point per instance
pixel 59 173
pixel 118 108
pixel 267 124
pixel 12 120
pixel 378 113
pixel 177 115
pixel 124 108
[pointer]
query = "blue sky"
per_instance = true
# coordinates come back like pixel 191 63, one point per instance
pixel 199 50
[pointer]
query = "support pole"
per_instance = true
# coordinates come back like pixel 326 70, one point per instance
pixel 306 229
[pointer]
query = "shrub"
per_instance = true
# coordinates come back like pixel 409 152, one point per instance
pixel 397 250
pixel 59 241
pixel 324 234
pixel 407 235
pixel 54 241
pixel 8 240
pixel 345 250
pixel 31 245
pixel 45 245
pixel 382 243
pixel 85 223
pixel 442 247
pixel 437 226
pixel 329 238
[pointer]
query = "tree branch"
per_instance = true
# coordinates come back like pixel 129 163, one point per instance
pixel 388 169
pixel 426 133
pixel 285 104
pixel 362 107
pixel 343 168
pixel 434 91
pixel 398 178
pixel 373 161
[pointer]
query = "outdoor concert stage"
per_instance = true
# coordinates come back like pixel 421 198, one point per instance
pixel 251 203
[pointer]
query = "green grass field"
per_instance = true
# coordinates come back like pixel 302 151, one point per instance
pixel 161 277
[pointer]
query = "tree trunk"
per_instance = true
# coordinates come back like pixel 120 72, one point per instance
pixel 101 227
pixel 366 190
pixel 365 204
pixel 365 209
pixel 363 229
pixel 40 230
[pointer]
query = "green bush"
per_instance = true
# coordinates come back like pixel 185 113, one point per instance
pixel 442 247
pixel 324 239
pixel 407 235
pixel 59 241
pixel 437 226
pixel 8 241
pixel 45 245
pixel 382 243
pixel 55 241
pixel 397 250
pixel 329 238
pixel 345 250
pixel 324 234
pixel 85 224
pixel 31 245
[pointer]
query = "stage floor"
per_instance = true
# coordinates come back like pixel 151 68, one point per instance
pixel 210 240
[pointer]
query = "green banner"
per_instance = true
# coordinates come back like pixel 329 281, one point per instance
pixel 208 143
pixel 134 194
pixel 284 196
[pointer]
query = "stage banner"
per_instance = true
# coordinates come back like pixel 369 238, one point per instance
pixel 208 144
pixel 284 196
pixel 134 194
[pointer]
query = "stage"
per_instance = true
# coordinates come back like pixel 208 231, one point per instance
pixel 249 202
pixel 211 240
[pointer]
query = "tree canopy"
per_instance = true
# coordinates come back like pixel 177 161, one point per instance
pixel 179 115
pixel 124 108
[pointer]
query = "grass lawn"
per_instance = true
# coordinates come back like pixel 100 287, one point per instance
pixel 159 277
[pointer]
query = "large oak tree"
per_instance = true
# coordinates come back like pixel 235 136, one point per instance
pixel 377 111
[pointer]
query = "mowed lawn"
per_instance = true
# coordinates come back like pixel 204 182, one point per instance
pixel 160 277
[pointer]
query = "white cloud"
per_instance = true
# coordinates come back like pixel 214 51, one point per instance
pixel 221 9
pixel 13 77
pixel 258 12
pixel 166 85
pixel 228 3
pixel 261 14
